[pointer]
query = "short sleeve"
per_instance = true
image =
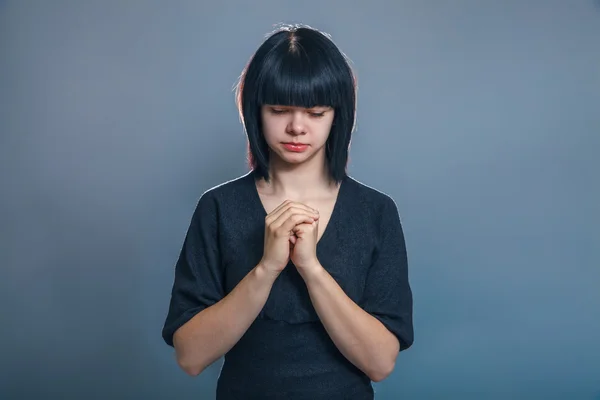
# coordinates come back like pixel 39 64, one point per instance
pixel 388 295
pixel 198 281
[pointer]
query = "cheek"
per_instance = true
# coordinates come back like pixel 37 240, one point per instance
pixel 324 129
pixel 269 128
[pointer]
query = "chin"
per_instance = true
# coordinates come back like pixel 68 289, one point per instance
pixel 295 158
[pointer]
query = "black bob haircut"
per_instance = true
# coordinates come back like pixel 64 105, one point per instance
pixel 298 66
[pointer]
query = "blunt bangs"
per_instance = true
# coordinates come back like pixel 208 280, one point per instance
pixel 298 66
pixel 297 79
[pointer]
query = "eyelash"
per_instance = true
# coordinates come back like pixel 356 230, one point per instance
pixel 315 115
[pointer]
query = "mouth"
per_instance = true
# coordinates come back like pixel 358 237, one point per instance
pixel 295 147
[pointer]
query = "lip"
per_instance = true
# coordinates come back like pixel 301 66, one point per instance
pixel 295 147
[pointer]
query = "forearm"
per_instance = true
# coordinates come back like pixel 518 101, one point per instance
pixel 359 336
pixel 215 330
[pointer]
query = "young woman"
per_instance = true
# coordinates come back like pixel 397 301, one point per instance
pixel 295 272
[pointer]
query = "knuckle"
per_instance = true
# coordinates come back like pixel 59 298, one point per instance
pixel 280 233
pixel 299 217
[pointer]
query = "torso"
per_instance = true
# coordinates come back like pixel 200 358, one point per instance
pixel 286 352
pixel 294 355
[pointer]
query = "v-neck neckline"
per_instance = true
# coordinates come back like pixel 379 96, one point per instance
pixel 332 217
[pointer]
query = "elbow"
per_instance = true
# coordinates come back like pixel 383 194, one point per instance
pixel 386 365
pixel 380 374
pixel 190 368
pixel 382 371
pixel 188 362
pixel 192 371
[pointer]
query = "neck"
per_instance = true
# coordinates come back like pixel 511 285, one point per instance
pixel 299 181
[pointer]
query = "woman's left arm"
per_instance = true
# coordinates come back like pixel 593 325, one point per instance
pixel 372 333
pixel 359 336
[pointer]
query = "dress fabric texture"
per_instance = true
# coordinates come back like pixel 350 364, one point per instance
pixel 286 353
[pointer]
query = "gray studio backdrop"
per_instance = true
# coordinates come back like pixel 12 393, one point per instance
pixel 480 118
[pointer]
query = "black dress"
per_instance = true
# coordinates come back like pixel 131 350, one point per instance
pixel 286 353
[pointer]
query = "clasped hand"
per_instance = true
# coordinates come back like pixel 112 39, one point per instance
pixel 291 233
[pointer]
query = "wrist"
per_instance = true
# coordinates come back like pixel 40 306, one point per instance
pixel 312 271
pixel 263 272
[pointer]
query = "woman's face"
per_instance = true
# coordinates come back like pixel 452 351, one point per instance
pixel 296 134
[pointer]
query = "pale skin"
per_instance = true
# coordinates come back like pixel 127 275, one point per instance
pixel 292 231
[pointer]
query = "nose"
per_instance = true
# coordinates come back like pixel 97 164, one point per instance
pixel 296 124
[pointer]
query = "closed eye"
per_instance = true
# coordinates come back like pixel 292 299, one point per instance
pixel 278 111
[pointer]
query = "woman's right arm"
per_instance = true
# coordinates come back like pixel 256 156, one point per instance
pixel 212 332
pixel 215 330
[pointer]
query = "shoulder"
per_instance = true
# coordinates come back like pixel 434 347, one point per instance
pixel 380 212
pixel 236 189
pixel 230 194
pixel 370 198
